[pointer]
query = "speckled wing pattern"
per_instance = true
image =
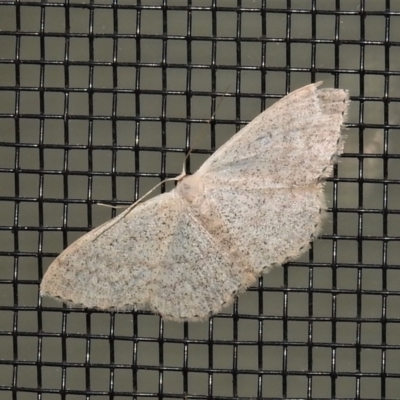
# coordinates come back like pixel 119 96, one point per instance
pixel 255 203
pixel 152 254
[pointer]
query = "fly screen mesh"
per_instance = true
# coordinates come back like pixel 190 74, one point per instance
pixel 100 100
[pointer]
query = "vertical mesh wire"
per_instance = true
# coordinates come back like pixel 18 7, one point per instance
pixel 100 100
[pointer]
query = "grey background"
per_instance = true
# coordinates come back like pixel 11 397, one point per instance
pixel 366 308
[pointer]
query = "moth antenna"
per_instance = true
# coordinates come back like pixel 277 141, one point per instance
pixel 208 122
pixel 133 205
pixel 176 178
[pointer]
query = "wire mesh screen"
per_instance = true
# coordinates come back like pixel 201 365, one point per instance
pixel 101 100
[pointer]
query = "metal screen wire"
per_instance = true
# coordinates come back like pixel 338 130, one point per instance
pixel 101 100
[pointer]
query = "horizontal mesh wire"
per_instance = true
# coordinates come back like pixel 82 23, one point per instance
pixel 101 100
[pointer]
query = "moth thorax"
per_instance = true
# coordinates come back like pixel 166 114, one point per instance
pixel 190 188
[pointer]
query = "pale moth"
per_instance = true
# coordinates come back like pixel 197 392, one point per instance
pixel 255 203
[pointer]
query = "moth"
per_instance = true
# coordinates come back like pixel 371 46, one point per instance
pixel 255 203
